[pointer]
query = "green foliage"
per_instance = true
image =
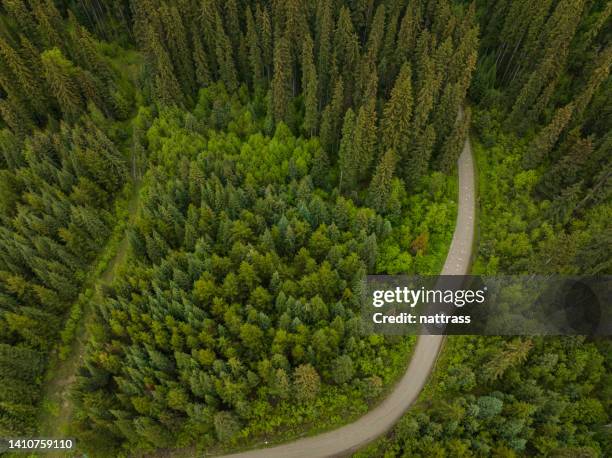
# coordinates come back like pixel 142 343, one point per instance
pixel 546 402
pixel 238 294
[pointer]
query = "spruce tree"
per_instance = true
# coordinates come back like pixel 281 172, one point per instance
pixel 324 31
pixel 364 148
pixel 309 83
pixel 282 81
pixel 332 115
pixel 200 59
pixel 255 54
pixel 410 28
pixel 380 186
pixel 60 75
pixel 548 136
pixel 225 59
pixel 346 50
pixel 264 27
pixel 397 114
pixel 346 154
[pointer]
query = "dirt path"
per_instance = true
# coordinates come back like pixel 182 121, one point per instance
pixel 57 405
pixel 349 438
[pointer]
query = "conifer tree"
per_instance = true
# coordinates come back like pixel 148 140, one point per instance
pixel 324 31
pixel 24 18
pixel 309 83
pixel 599 71
pixel 376 35
pixel 255 54
pixel 332 115
pixel 200 59
pixel 397 114
pixel 208 21
pixel 167 88
pixel 419 155
pixel 19 68
pixel 90 55
pixel 346 154
pixel 410 28
pixel 175 37
pixel 225 59
pixel 265 32
pixel 452 147
pixel 346 50
pixel 386 67
pixel 60 75
pixel 233 24
pixel 49 22
pixel 365 139
pixel 380 186
pixel 548 136
pixel 282 81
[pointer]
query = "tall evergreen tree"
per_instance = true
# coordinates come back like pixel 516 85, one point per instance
pixel 346 154
pixel 397 114
pixel 331 118
pixel 548 136
pixel 309 83
pixel 255 54
pixel 60 75
pixel 282 81
pixel 380 186
pixel 225 59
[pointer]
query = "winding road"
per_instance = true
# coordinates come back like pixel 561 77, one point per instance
pixel 349 438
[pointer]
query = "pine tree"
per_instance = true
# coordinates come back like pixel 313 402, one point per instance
pixel 380 186
pixel 346 50
pixel 324 29
pixel 49 22
pixel 255 54
pixel 346 154
pixel 419 154
pixel 24 18
pixel 175 38
pixel 283 77
pixel 208 20
pixel 233 24
pixel 19 69
pixel 167 88
pixel 90 55
pixel 60 75
pixel 200 59
pixel 410 28
pixel 296 26
pixel 397 114
pixel 386 67
pixel 365 139
pixel 452 147
pixel 225 59
pixel 265 32
pixel 376 35
pixel 330 120
pixel 16 117
pixel 598 74
pixel 309 83
pixel 548 136
pixel 569 168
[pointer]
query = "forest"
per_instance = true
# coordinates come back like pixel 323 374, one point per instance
pixel 277 152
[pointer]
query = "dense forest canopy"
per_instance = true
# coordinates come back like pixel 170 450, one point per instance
pixel 284 149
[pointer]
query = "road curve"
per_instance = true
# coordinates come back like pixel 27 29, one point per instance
pixel 351 437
